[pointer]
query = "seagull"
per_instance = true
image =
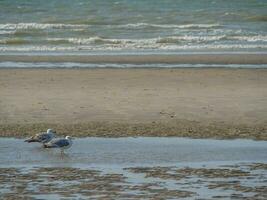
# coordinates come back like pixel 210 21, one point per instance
pixel 63 143
pixel 43 137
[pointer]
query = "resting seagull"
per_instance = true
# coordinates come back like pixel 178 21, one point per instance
pixel 63 143
pixel 42 137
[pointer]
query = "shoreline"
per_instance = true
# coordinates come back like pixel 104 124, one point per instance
pixel 219 103
pixel 175 128
pixel 199 58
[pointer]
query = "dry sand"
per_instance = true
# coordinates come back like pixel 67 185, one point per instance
pixel 221 103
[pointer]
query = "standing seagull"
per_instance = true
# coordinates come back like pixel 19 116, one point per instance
pixel 64 143
pixel 42 137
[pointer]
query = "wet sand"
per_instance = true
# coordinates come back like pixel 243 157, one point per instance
pixel 230 182
pixel 219 103
pixel 135 168
pixel 190 58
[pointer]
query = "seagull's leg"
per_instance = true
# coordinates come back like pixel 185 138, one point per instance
pixel 63 153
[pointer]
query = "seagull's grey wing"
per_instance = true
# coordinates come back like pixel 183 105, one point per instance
pixel 36 138
pixel 61 143
pixel 39 135
pixel 44 137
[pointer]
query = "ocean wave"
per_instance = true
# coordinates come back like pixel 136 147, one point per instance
pixel 133 47
pixel 186 26
pixel 14 41
pixel 139 43
pixel 200 26
pixel 161 40
pixel 82 41
pixel 38 48
pixel 258 18
pixel 255 38
pixel 41 26
pixel 99 40
pixel 167 40
pixel 177 39
pixel 5 32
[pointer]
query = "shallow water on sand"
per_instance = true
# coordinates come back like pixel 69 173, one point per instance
pixel 133 151
pixel 135 168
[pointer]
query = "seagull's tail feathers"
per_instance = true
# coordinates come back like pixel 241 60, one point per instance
pixel 47 145
pixel 31 140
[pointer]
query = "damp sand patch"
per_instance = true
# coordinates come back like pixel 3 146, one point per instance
pixel 244 181
pixel 174 128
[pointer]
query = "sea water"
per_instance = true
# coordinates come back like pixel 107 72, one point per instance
pixel 138 151
pixel 133 26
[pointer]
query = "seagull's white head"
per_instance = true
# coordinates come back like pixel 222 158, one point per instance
pixel 50 131
pixel 69 137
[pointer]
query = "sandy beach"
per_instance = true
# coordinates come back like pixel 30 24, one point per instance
pixel 217 103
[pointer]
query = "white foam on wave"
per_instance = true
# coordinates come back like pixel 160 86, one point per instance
pixel 114 47
pixel 90 40
pixel 171 40
pixel 214 47
pixel 147 41
pixel 175 39
pixel 96 39
pixel 38 48
pixel 25 26
pixel 200 26
pixel 186 26
pixel 255 38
